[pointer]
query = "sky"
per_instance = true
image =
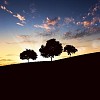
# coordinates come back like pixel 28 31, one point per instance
pixel 28 24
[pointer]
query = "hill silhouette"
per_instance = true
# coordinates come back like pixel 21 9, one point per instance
pixel 77 76
pixel 83 64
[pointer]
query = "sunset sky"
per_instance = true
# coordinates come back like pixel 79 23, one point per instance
pixel 27 24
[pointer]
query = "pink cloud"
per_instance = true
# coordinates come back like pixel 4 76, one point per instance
pixel 49 24
pixel 52 21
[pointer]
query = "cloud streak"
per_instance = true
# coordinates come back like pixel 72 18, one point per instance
pixel 21 18
pixel 20 24
pixel 6 60
pixel 5 9
pixel 43 26
pixel 18 16
pixel 6 2
pixel 26 39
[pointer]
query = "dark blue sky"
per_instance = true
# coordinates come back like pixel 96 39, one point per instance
pixel 63 7
pixel 36 12
pixel 51 8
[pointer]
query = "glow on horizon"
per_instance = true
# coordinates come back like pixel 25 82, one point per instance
pixel 10 52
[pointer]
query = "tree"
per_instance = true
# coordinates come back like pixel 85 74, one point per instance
pixel 51 49
pixel 28 54
pixel 70 49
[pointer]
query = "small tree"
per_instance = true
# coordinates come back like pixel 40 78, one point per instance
pixel 70 49
pixel 51 49
pixel 28 54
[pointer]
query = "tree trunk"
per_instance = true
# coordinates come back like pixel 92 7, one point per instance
pixel 28 60
pixel 51 58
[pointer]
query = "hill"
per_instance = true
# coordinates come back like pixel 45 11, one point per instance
pixel 79 64
pixel 78 77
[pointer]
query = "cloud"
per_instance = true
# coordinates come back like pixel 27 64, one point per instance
pixel 32 8
pixel 44 26
pixel 68 20
pixel 82 32
pixel 86 23
pixel 20 24
pixel 49 24
pixel 4 8
pixel 95 20
pixel 6 2
pixel 6 60
pixel 26 39
pixel 98 38
pixel 82 49
pixel 96 44
pixel 21 18
pixel 52 22
pixel 11 55
pixel 45 34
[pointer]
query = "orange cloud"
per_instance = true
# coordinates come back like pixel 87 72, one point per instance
pixel 49 24
pixel 52 21
pixel 86 23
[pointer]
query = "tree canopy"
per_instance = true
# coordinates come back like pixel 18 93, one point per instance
pixel 70 49
pixel 51 49
pixel 28 54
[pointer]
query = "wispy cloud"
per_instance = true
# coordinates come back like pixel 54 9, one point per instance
pixel 5 2
pixel 5 9
pixel 11 55
pixel 22 39
pixel 44 26
pixel 68 20
pixel 81 33
pixel 96 44
pixel 26 39
pixel 20 24
pixel 32 8
pixel 98 38
pixel 20 17
pixel 6 60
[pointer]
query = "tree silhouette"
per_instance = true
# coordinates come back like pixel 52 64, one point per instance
pixel 28 54
pixel 51 49
pixel 70 49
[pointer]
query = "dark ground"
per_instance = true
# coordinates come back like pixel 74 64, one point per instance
pixel 75 66
pixel 81 73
